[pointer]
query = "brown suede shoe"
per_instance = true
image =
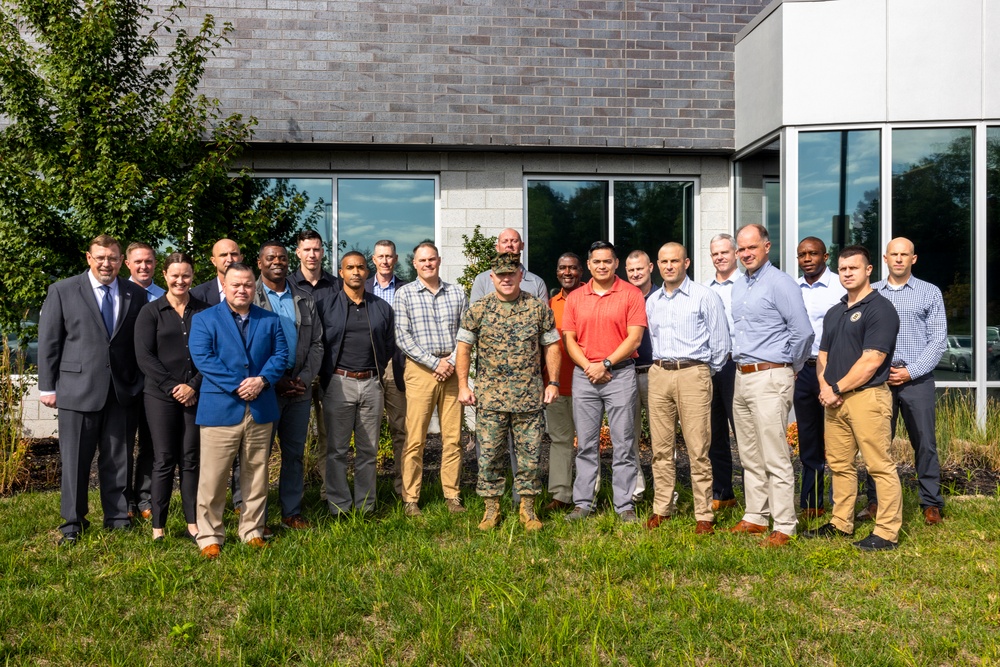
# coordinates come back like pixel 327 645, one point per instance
pixel 704 528
pixel 211 552
pixel 868 513
pixel 256 543
pixel 656 520
pixel 557 505
pixel 723 504
pixel 749 528
pixel 297 522
pixel 775 539
pixel 932 516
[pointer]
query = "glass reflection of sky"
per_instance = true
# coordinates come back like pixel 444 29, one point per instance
pixel 909 147
pixel 819 177
pixel 369 209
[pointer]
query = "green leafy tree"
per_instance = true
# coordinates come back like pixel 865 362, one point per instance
pixel 479 250
pixel 105 132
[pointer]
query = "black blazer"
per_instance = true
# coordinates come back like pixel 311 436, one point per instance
pixel 161 347
pixel 398 358
pixel 382 329
pixel 75 357
pixel 207 291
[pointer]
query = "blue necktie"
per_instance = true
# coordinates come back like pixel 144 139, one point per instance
pixel 108 310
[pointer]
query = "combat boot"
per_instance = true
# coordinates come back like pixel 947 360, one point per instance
pixel 492 516
pixel 528 517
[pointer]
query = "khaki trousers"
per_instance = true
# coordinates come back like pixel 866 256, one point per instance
pixel 423 394
pixel 684 394
pixel 761 402
pixel 395 414
pixel 220 445
pixel 562 431
pixel 864 422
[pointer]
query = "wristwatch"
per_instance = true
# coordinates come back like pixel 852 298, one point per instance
pixel 267 385
pixel 553 383
pixel 836 388
pixel 608 364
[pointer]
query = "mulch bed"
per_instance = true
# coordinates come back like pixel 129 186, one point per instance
pixel 43 469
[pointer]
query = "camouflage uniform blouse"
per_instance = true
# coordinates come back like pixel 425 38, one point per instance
pixel 509 339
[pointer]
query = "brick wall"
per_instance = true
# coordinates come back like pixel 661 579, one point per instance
pixel 560 73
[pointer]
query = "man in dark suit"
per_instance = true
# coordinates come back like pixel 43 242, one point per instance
pixel 384 284
pixel 224 253
pixel 359 333
pixel 304 336
pixel 87 370
pixel 240 350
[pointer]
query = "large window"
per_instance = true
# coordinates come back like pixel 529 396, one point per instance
pixel 993 254
pixel 932 206
pixel 840 190
pixel 352 213
pixel 567 215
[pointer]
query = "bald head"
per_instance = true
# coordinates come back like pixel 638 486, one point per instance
pixel 224 253
pixel 900 256
pixel 509 240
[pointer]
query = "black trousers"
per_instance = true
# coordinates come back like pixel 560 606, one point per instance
pixel 720 452
pixel 176 443
pixel 81 435
pixel 140 475
pixel 810 416
pixel 916 401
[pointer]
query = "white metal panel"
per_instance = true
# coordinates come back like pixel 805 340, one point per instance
pixel 758 81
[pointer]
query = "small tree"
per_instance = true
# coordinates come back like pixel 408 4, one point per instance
pixel 106 134
pixel 479 251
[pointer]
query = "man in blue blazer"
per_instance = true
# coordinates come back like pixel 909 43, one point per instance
pixel 87 370
pixel 241 352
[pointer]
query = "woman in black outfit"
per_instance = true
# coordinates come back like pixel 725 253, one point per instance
pixel 171 391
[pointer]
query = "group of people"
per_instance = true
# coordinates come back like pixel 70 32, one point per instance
pixel 206 378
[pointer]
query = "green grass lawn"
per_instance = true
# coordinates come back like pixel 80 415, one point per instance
pixel 436 591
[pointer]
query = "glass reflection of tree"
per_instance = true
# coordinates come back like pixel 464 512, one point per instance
pixel 647 215
pixel 559 224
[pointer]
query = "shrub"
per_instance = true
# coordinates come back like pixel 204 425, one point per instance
pixel 13 445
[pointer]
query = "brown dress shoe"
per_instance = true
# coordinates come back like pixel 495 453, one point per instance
pixel 146 514
pixel 267 532
pixel 932 515
pixel 868 513
pixel 775 539
pixel 557 505
pixel 749 528
pixel 296 522
pixel 211 552
pixel 256 542
pixel 704 528
pixel 723 504
pixel 655 520
pixel 813 512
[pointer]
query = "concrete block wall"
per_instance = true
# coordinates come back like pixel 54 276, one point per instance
pixel 544 73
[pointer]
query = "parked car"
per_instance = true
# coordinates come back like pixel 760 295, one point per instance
pixel 993 353
pixel 957 355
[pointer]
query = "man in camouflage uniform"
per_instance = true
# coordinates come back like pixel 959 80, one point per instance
pixel 509 329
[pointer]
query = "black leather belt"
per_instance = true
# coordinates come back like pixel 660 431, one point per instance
pixel 811 362
pixel 677 365
pixel 623 364
pixel 641 370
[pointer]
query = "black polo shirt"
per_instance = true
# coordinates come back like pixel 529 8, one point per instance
pixel 870 324
pixel 325 288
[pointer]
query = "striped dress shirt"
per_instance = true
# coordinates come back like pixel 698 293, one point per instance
pixel 689 324
pixel 923 328
pixel 427 322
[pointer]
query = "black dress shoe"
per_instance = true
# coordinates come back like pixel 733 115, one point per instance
pixel 826 530
pixel 69 539
pixel 189 536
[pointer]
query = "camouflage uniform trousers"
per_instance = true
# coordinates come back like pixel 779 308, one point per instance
pixel 492 428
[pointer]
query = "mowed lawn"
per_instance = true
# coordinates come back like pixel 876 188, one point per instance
pixel 437 591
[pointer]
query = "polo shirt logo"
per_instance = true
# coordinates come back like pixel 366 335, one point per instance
pixel 856 316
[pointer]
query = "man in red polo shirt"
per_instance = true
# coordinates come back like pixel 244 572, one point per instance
pixel 602 327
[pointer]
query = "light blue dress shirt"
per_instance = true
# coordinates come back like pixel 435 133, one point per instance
pixel 283 305
pixel 820 297
pixel 770 320
pixel 689 324
pixel 923 327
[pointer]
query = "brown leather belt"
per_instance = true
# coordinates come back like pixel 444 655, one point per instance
pixel 762 366
pixel 677 365
pixel 355 375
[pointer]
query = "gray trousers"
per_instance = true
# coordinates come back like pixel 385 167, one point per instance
pixel 351 407
pixel 617 398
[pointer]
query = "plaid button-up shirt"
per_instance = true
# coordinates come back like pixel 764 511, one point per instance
pixel 923 329
pixel 427 322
